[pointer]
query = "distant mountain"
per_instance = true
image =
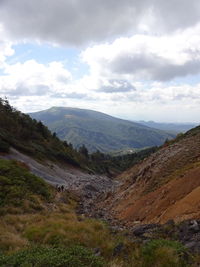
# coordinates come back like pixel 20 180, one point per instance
pixel 99 131
pixel 25 139
pixel 169 127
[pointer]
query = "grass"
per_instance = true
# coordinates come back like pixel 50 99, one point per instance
pixel 31 214
pixel 60 229
pixel 55 229
pixel 38 230
pixel 20 190
pixel 165 253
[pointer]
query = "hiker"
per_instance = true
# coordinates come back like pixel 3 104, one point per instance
pixel 62 188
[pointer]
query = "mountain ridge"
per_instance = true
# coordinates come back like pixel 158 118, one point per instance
pixel 99 131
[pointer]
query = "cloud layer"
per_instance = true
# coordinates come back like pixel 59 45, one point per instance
pixel 143 57
pixel 159 58
pixel 77 22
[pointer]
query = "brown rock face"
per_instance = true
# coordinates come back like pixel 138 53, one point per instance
pixel 164 186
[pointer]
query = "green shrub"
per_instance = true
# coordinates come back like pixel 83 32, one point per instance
pixel 164 253
pixel 76 256
pixel 4 147
pixel 17 184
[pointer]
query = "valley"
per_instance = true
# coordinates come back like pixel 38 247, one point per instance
pixel 99 133
pixel 98 219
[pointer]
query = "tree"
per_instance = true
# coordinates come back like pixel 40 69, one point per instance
pixel 43 129
pixel 83 150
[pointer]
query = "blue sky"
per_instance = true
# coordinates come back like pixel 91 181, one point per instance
pixel 134 59
pixel 46 53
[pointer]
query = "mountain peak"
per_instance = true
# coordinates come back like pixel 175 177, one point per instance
pixel 99 131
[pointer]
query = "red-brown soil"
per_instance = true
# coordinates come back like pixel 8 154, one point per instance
pixel 164 186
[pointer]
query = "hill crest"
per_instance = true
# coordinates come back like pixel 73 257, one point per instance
pixel 99 131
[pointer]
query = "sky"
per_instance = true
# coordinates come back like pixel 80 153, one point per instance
pixel 133 59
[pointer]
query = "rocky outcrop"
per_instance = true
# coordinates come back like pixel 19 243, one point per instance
pixel 187 232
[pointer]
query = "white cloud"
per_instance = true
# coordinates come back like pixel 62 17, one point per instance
pixel 158 102
pixel 147 57
pixel 147 46
pixel 33 78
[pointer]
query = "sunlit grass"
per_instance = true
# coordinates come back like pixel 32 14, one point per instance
pixel 48 220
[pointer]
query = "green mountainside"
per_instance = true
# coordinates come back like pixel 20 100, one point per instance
pixel 98 131
pixel 32 137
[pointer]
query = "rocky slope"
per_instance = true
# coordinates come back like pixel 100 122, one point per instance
pixel 85 185
pixel 164 186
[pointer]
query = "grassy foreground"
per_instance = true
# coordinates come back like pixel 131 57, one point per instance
pixel 39 227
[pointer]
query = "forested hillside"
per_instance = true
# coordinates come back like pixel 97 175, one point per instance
pixel 33 138
pixel 99 131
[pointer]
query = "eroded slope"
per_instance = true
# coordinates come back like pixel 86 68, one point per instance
pixel 164 186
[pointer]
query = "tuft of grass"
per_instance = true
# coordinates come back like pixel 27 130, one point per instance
pixel 12 241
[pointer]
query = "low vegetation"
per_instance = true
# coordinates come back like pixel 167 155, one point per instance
pixel 41 256
pixel 164 253
pixel 19 189
pixel 41 228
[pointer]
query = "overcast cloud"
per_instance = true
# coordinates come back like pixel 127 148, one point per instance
pixel 139 53
pixel 77 21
